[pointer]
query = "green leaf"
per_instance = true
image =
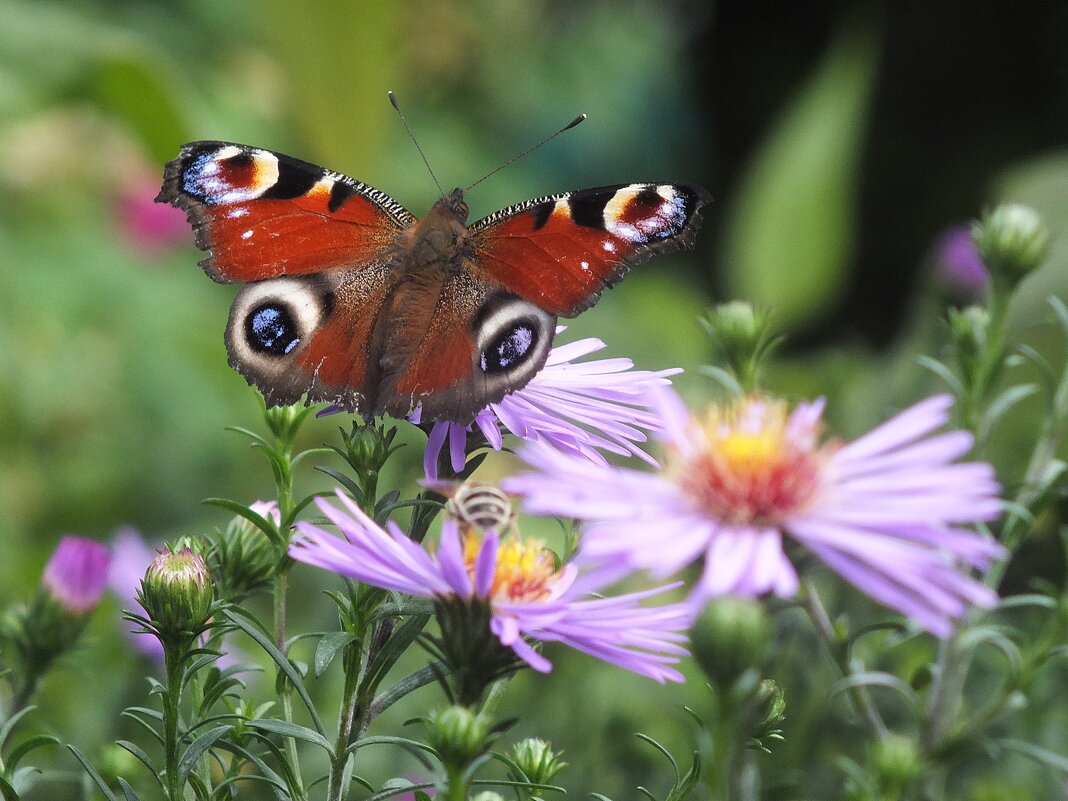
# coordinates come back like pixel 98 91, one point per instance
pixel 23 748
pixel 9 725
pixel 7 791
pixel 790 234
pixel 143 758
pixel 396 645
pixel 197 749
pixel 327 649
pixel 97 779
pixel 1042 755
pixel 128 791
pixel 252 630
pixel 293 730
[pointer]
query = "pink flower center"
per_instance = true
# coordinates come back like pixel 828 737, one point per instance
pixel 752 466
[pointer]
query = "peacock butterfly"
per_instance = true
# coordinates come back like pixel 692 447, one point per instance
pixel 352 300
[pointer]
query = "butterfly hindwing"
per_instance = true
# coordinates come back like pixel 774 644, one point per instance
pixel 561 251
pixel 261 214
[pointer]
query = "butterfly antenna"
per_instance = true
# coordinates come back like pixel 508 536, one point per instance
pixel 407 127
pixel 529 150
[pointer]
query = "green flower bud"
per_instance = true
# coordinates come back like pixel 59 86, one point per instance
pixel 243 558
pixel 1012 241
pixel 488 795
pixel 177 593
pixel 459 736
pixel 771 712
pixel 285 421
pixel 742 341
pixel 729 638
pixel 896 762
pixel 537 760
pixel 968 331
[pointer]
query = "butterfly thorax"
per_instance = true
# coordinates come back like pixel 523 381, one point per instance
pixel 437 239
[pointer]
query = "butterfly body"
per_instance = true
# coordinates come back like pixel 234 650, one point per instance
pixel 350 299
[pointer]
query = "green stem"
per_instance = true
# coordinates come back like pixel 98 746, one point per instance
pixel 825 629
pixel 171 704
pixel 280 583
pixel 347 723
pixel 457 786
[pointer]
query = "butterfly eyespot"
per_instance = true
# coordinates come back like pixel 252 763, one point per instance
pixel 510 348
pixel 270 329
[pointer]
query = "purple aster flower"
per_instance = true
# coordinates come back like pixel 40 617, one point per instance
pixel 958 263
pixel 885 511
pixel 579 408
pixel 77 574
pixel 527 595
pixel 131 558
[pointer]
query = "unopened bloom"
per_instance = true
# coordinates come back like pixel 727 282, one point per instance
pixel 517 583
pixel 177 593
pixel 76 575
pixel 580 408
pixel 884 511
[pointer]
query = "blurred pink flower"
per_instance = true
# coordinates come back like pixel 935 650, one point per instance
pixel 148 226
pixel 958 264
pixel 76 575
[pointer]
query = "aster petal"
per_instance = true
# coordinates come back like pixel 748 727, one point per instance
pixel 675 421
pixel 507 632
pixel 934 450
pixel 451 559
pixel 458 446
pixel 434 441
pixel 745 561
pixel 911 424
pixel 486 564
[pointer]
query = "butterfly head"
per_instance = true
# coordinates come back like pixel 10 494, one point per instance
pixel 454 205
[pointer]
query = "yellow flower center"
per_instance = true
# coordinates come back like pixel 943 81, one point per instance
pixel 525 571
pixel 750 467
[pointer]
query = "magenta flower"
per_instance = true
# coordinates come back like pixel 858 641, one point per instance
pixel 885 511
pixel 526 593
pixel 958 263
pixel 579 408
pixel 147 226
pixel 77 574
pixel 131 558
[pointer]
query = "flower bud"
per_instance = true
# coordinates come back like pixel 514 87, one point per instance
pixel 729 638
pixel 177 594
pixel 367 448
pixel 896 762
pixel 741 339
pixel 242 557
pixel 285 421
pixel 1012 241
pixel 959 268
pixel 459 736
pixel 76 574
pixel 537 760
pixel 968 332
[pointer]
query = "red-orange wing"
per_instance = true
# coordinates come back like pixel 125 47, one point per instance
pixel 261 214
pixel 561 251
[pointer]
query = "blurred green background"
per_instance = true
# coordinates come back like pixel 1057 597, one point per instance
pixel 840 140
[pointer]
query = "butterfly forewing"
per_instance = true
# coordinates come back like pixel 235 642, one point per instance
pixel 562 251
pixel 261 214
